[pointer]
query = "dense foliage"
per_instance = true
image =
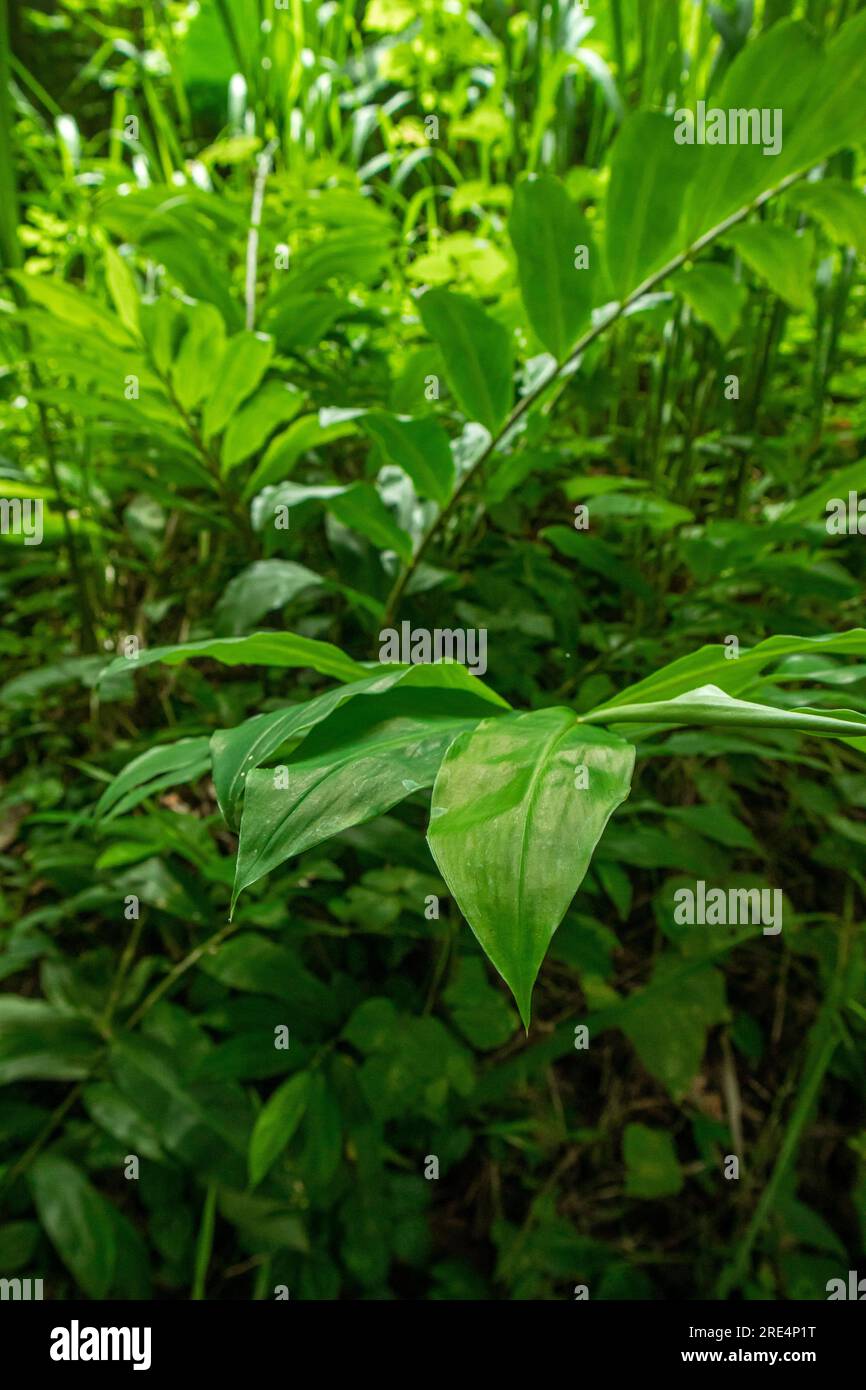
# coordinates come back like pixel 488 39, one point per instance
pixel 338 341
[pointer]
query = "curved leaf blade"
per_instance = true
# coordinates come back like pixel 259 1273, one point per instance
pixel 513 831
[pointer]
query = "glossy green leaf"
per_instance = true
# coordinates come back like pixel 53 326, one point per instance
pixel 356 765
pixel 715 664
pixel 276 1124
pixel 237 752
pixel 420 447
pixel 478 355
pixel 548 230
pixel 709 706
pixel 513 829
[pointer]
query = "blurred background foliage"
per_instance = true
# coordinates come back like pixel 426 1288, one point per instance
pixel 143 138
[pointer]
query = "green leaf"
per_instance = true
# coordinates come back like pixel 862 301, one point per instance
pixel 291 444
pixel 480 1012
pixel 361 509
pixel 258 649
pixel 78 1222
pixel 250 962
pixel 74 307
pixel 199 355
pixel 261 587
pixel 39 1043
pixel 710 706
pixel 652 1167
pixel 358 506
pixel 273 405
pixel 478 355
pixel 121 287
pixel 242 366
pixel 420 447
pixel 715 664
pixel 237 752
pixel 773 72
pixel 837 207
pixel 512 829
pixel 649 175
pixel 152 771
pixel 667 1021
pixel 546 230
pixel 353 767
pixel 780 257
pixel 714 297
pixel 204 1124
pixel 834 112
pixel 276 1124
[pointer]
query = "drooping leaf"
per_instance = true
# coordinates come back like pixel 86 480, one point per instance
pixel 518 807
pixel 478 355
pixel 710 706
pixel 258 649
pixel 237 752
pixel 733 673
pixel 357 764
